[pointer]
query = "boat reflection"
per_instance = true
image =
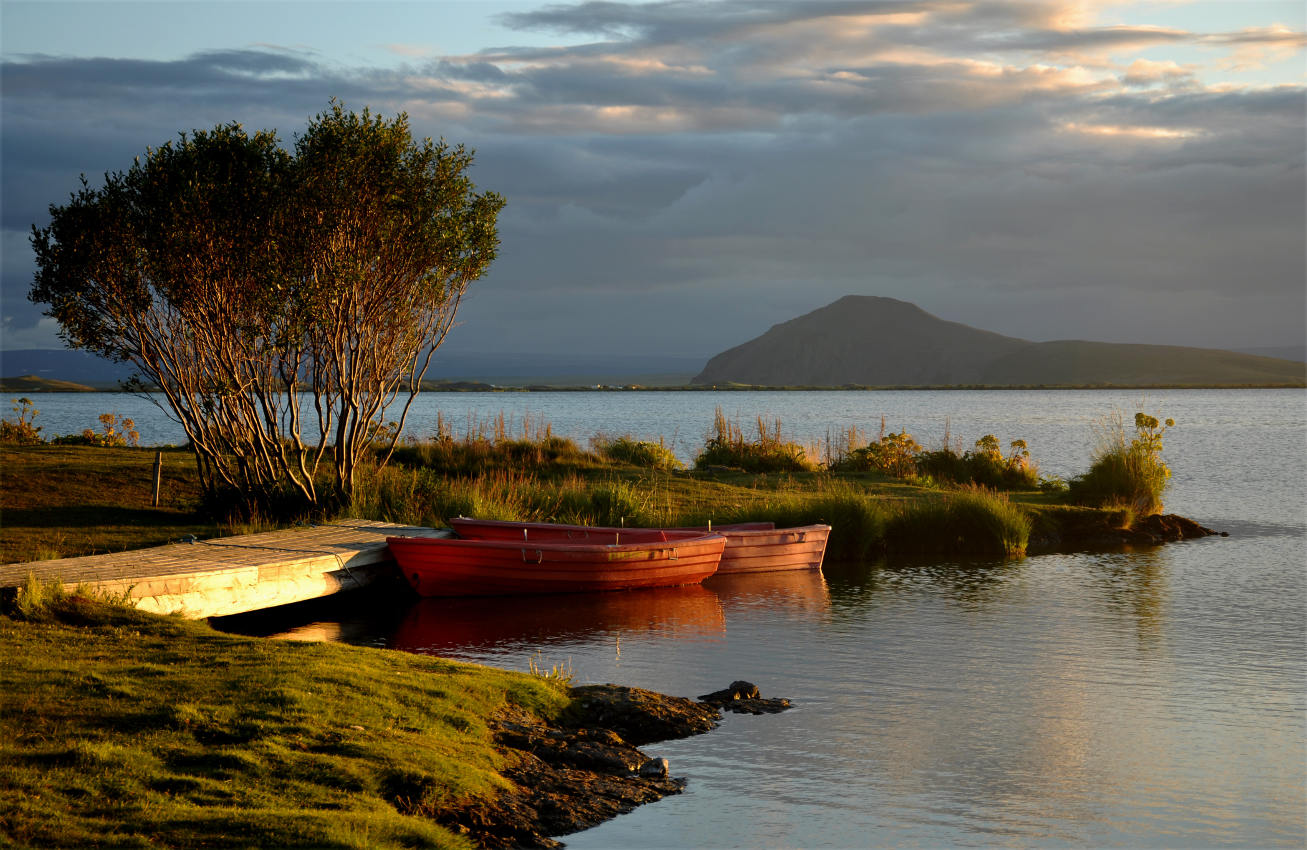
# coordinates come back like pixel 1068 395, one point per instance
pixel 786 593
pixel 441 625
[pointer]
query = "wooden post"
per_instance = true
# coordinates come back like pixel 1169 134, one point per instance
pixel 158 477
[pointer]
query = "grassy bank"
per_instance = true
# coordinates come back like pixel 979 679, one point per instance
pixel 62 501
pixel 124 729
pixel 881 494
pixel 58 501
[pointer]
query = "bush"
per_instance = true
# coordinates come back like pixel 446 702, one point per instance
pixel 636 452
pixel 22 432
pixel 1127 475
pixel 984 466
pixel 115 433
pixel 892 454
pixel 726 446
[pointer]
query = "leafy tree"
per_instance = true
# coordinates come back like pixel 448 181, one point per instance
pixel 281 301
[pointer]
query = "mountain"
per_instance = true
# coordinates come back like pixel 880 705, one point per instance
pixel 871 341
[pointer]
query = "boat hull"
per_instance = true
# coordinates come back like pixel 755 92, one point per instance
pixel 750 547
pixel 472 567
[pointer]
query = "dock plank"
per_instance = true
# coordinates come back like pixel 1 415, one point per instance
pixel 229 575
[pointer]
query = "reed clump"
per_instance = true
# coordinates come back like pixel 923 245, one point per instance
pixel 427 497
pixel 642 453
pixel 1127 472
pixel 971 520
pixel 726 446
pixel 494 444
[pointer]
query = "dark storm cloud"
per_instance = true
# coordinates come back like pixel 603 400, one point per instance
pixel 779 156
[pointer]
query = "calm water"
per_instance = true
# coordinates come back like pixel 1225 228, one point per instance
pixel 1154 697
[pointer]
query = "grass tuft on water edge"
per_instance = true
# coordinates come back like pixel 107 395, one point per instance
pixel 967 521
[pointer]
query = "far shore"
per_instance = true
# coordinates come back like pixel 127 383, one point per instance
pixel 25 385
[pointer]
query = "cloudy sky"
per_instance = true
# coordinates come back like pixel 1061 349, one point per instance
pixel 681 175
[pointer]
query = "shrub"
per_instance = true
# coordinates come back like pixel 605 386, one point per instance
pixel 1129 475
pixel 984 465
pixel 643 453
pixel 22 432
pixel 115 432
pixel 726 446
pixel 892 454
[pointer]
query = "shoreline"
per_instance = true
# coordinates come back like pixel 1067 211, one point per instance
pixel 10 385
pixel 587 769
pixel 482 756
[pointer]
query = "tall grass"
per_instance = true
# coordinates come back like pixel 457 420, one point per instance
pixel 769 452
pixel 1126 473
pixel 494 444
pixel 427 497
pixel 628 450
pixel 971 521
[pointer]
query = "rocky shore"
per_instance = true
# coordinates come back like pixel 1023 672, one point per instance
pixel 588 768
pixel 1089 531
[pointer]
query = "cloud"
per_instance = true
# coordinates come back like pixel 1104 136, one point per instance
pixel 687 158
pixel 1256 47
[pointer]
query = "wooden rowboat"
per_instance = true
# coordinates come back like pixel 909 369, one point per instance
pixel 478 567
pixel 752 547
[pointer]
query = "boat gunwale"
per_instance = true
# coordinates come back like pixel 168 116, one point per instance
pixel 565 546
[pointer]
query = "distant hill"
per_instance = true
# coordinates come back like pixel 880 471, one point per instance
pixel 33 384
pixel 1284 352
pixel 500 368
pixel 871 341
pixel 64 365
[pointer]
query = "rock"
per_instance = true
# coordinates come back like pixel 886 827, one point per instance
pixel 757 706
pixel 638 716
pixel 1099 529
pixel 744 698
pixel 737 690
pixel 655 768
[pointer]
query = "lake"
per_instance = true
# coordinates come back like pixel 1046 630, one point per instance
pixel 1146 698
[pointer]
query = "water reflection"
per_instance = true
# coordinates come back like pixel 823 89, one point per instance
pixel 437 626
pixel 973 582
pixel 794 594
pixel 1134 583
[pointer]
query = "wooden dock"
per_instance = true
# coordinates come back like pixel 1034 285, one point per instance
pixel 231 575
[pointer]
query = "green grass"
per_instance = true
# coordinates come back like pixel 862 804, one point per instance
pixel 970 521
pixel 59 501
pixel 124 729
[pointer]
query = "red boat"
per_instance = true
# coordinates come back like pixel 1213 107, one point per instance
pixel 751 547
pixel 451 566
